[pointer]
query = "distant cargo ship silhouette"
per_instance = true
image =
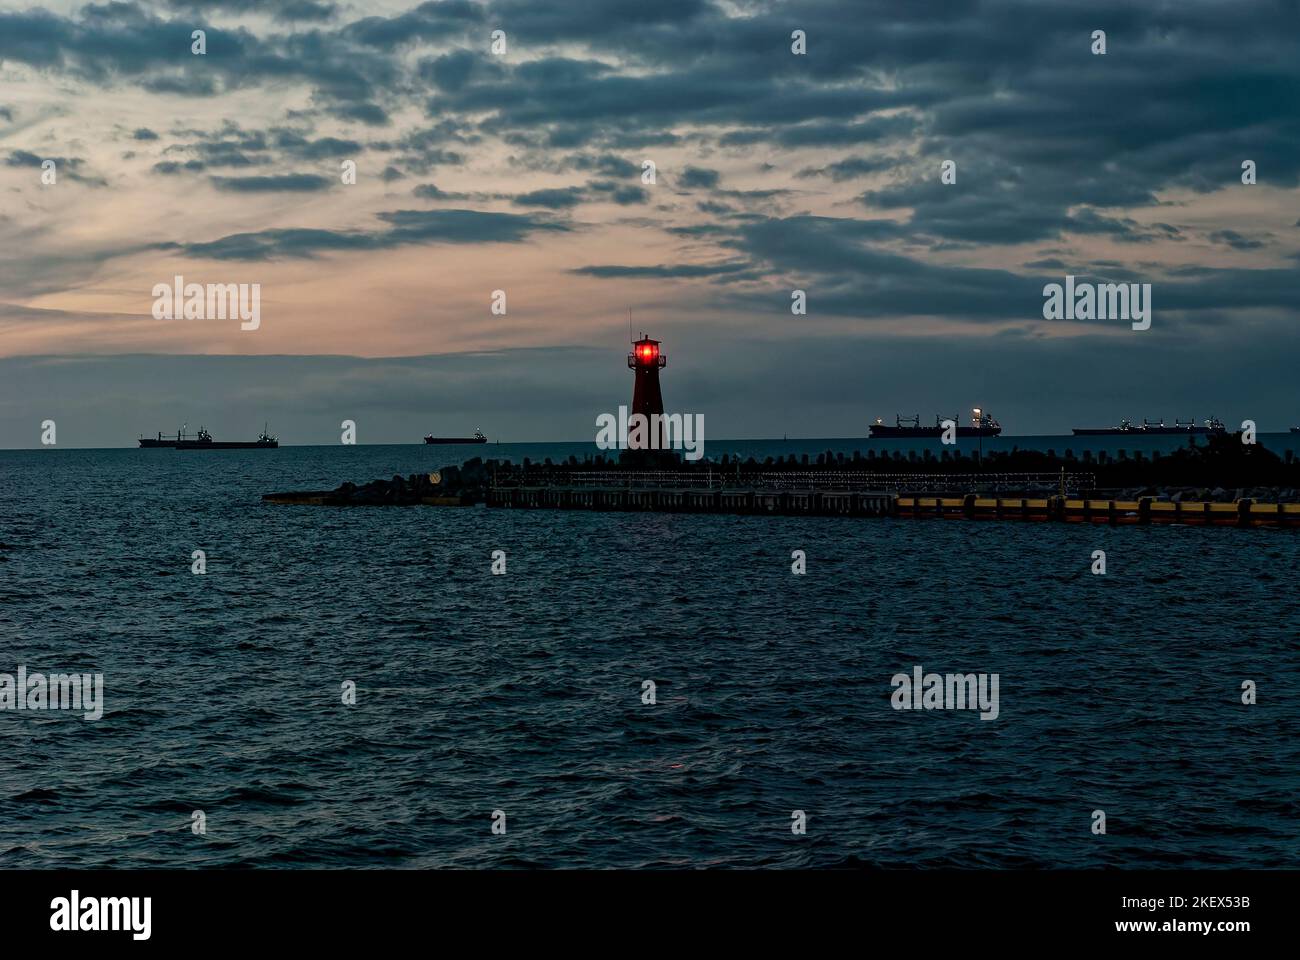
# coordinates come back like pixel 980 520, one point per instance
pixel 203 441
pixel 1191 428
pixel 477 438
pixel 982 425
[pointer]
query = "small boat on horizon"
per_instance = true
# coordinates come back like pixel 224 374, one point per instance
pixel 477 438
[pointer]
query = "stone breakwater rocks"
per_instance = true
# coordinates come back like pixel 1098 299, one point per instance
pixel 398 491
pixel 446 487
pixel 467 484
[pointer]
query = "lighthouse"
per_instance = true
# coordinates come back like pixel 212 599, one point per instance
pixel 644 361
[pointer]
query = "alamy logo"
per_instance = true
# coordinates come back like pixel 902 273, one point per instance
pixel 74 913
pixel 950 691
pixel 214 301
pixel 57 691
pixel 659 431
pixel 1098 301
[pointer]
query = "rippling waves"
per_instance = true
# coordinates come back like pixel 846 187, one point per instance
pixel 523 692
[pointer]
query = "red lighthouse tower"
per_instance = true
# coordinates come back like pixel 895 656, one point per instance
pixel 645 360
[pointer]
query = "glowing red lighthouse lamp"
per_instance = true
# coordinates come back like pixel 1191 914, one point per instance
pixel 646 353
pixel 645 361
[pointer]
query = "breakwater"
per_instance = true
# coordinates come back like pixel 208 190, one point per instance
pixel 958 487
pixel 849 503
pixel 811 501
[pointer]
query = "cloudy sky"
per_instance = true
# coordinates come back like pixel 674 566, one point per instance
pixel 522 171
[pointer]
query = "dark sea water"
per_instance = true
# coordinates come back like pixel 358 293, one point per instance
pixel 522 692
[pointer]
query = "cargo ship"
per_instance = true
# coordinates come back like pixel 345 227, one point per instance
pixel 204 441
pixel 477 438
pixel 169 442
pixel 1147 428
pixel 982 425
pixel 160 440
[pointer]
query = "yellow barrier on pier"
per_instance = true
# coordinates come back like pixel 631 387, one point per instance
pixel 1238 513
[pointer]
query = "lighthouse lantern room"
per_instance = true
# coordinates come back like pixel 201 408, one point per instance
pixel 645 360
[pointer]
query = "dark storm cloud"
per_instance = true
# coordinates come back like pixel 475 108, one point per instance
pixel 1215 289
pixel 428 21
pixel 404 228
pixel 999 86
pixel 452 71
pixel 144 133
pixel 232 147
pixel 692 177
pixel 554 199
pixel 847 273
pixel 123 42
pixel 431 191
pixel 1007 88
pixel 296 144
pixel 861 279
pixel 1237 241
pixel 827 134
pixel 291 243
pixel 865 280
pixel 624 194
pixel 607 164
pixel 286 10
pixel 663 271
pixel 1000 204
pixel 110 39
pixel 714 209
pixel 370 114
pixel 615 20
pixel 1121 229
pixel 172 167
pixel 850 168
pixel 183 84
pixel 287 182
pixel 558 198
pixel 591 102
pixel 446 132
pixel 68 168
pixel 424 162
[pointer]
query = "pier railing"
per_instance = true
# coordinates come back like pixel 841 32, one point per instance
pixel 916 482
